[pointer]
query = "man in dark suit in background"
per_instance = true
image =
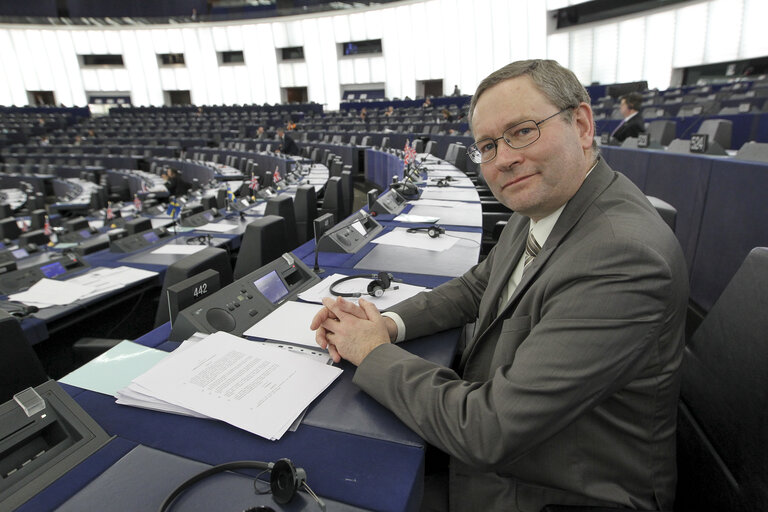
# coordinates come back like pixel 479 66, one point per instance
pixel 633 123
pixel 567 391
pixel 287 145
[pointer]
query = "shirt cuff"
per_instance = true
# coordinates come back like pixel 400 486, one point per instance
pixel 399 323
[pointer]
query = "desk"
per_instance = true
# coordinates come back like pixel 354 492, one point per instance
pixel 354 450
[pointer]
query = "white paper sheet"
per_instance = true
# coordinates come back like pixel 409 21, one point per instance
pixel 48 292
pixel 416 219
pixel 178 249
pixel 418 240
pixel 389 299
pixel 217 227
pixel 255 387
pixel 288 323
pixel 450 194
pixel 102 279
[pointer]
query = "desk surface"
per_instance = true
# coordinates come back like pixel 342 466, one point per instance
pixel 354 450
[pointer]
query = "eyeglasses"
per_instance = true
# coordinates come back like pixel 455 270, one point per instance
pixel 516 136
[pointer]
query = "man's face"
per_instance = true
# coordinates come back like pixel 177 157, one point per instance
pixel 538 179
pixel 624 108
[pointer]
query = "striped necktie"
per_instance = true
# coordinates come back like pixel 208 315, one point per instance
pixel 532 248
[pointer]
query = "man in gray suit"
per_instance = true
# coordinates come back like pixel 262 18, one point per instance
pixel 567 391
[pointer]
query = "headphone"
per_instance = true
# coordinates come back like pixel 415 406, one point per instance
pixel 444 182
pixel 284 481
pixel 17 309
pixel 381 281
pixel 433 231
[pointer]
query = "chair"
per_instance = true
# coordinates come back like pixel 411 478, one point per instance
pixel 722 418
pixel 208 258
pixel 755 151
pixel 457 155
pixel 666 210
pixel 282 206
pixel 431 147
pixel 719 131
pixel 347 189
pixel 418 145
pixel 661 132
pixel 333 200
pixel 19 366
pixel 305 206
pixel 263 241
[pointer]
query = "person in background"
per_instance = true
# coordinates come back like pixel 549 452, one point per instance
pixel 567 391
pixel 171 178
pixel 633 123
pixel 287 145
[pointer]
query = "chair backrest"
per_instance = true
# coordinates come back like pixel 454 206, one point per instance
pixel 263 241
pixel 305 206
pixel 755 151
pixel 431 147
pixel 457 155
pixel 347 189
pixel 282 206
pixel 385 142
pixel 666 210
pixel 418 145
pixel 662 132
pixel 208 258
pixel 333 200
pixel 719 130
pixel 19 366
pixel 366 141
pixel 722 418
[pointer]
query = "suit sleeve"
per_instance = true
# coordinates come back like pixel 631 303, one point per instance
pixel 598 322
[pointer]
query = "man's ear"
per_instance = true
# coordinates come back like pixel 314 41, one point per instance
pixel 585 123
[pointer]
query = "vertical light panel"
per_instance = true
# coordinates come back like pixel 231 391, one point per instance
pixel 193 56
pixel 390 45
pixel 211 84
pixel 482 55
pixel 59 84
pixel 559 48
pixel 65 44
pixel 475 63
pixel 659 44
pixel 26 71
pixel 12 90
pixel 133 78
pixel 754 42
pixel 604 54
pixel 631 50
pixel 581 54
pixel 690 35
pixel 42 59
pixel 329 74
pixel 537 30
pixel 452 33
pixel 723 30
pixel 506 30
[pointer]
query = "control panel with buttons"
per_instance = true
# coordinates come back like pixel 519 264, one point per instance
pixel 237 307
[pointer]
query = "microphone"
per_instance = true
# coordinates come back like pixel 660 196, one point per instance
pixel 321 224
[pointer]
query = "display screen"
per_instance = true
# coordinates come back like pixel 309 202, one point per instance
pixel 151 237
pixel 272 287
pixel 19 253
pixel 85 233
pixel 208 216
pixel 53 269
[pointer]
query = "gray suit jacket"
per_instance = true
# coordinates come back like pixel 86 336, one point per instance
pixel 569 395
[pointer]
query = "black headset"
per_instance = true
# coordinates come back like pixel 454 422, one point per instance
pixel 444 182
pixel 380 282
pixel 433 231
pixel 284 480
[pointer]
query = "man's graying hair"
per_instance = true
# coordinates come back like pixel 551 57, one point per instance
pixel 558 84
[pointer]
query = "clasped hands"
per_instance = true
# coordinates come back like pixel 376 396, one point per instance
pixel 351 331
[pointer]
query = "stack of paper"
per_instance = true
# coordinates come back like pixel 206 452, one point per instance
pixel 257 387
pixel 49 292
